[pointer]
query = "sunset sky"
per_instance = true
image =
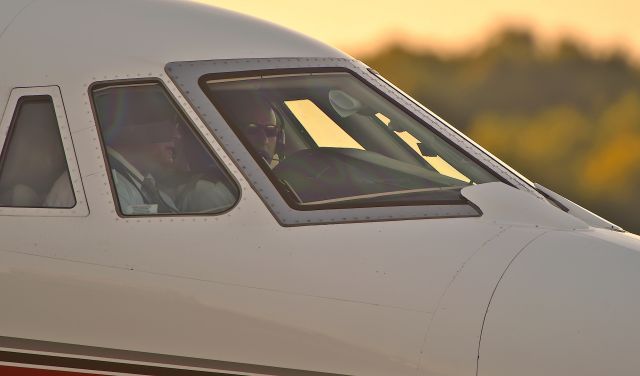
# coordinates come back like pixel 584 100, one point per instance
pixel 359 27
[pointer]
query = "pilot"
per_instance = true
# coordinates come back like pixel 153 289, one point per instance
pixel 137 154
pixel 150 178
pixel 259 123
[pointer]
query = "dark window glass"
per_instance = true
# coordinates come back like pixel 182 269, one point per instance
pixel 34 171
pixel 158 164
pixel 329 140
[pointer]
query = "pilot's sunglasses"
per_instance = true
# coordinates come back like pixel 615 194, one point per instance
pixel 269 130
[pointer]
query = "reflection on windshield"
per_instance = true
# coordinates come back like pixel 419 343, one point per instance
pixel 435 161
pixel 324 131
pixel 328 138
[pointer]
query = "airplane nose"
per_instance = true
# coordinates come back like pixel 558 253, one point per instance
pixel 568 296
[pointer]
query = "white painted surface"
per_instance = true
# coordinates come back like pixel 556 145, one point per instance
pixel 568 305
pixel 381 298
pixel 451 346
pixel 349 299
pixel 579 212
pixel 501 203
pixel 10 10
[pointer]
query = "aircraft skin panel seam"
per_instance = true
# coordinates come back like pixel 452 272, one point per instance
pixel 3 106
pixel 15 17
pixel 75 159
pixel 453 278
pixel 87 360
pixel 222 283
pixel 484 319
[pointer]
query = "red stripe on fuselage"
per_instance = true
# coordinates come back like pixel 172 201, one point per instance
pixel 19 371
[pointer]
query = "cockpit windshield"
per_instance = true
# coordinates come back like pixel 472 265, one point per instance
pixel 329 138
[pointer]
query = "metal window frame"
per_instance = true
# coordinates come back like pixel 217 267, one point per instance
pixel 81 208
pixel 187 75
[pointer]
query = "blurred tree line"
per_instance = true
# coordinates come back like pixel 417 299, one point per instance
pixel 561 116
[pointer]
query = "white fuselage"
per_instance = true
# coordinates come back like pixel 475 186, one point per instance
pixel 240 292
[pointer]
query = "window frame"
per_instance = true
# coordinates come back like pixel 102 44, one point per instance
pixel 196 131
pixel 186 75
pixel 16 98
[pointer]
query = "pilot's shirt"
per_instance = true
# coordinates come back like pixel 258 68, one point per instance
pixel 129 190
pixel 130 198
pixel 201 197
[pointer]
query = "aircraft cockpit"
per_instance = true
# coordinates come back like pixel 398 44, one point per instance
pixel 328 139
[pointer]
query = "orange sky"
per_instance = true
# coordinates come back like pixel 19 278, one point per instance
pixel 362 26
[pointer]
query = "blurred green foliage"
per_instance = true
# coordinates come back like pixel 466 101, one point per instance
pixel 563 117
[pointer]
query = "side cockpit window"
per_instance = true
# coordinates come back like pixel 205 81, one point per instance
pixel 33 168
pixel 158 163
